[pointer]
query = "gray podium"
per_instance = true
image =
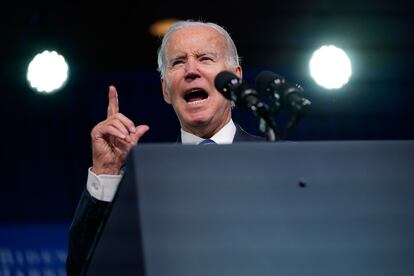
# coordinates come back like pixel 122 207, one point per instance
pixel 290 208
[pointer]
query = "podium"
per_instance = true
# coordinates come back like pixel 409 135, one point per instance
pixel 289 208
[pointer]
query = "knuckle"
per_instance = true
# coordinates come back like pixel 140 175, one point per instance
pixel 119 116
pixel 95 129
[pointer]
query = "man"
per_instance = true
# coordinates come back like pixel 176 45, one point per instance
pixel 189 58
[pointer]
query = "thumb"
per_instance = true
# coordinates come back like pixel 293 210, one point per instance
pixel 139 132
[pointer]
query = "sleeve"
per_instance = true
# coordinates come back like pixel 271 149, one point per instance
pixel 87 219
pixel 102 187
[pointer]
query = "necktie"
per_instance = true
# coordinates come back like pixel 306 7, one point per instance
pixel 207 142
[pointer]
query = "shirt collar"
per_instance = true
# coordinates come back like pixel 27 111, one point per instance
pixel 223 136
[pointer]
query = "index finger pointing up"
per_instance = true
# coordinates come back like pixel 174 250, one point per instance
pixel 113 106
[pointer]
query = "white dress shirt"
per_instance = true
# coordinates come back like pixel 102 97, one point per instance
pixel 103 187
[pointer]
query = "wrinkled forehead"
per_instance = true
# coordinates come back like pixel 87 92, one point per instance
pixel 195 39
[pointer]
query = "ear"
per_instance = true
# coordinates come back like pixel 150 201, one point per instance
pixel 165 92
pixel 239 72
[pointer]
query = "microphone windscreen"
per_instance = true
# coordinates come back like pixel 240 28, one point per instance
pixel 266 79
pixel 226 82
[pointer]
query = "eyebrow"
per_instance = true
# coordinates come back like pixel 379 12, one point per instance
pixel 178 56
pixel 197 54
pixel 214 54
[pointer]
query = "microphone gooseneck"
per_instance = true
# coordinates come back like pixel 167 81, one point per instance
pixel 282 93
pixel 247 98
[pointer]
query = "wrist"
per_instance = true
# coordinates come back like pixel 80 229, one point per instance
pixel 98 170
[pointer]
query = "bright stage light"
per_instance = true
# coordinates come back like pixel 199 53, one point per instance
pixel 330 67
pixel 47 72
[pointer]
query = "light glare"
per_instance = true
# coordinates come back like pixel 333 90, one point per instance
pixel 330 67
pixel 47 72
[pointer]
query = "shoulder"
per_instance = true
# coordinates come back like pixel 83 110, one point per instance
pixel 243 136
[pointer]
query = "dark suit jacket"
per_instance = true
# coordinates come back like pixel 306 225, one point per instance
pixel 90 213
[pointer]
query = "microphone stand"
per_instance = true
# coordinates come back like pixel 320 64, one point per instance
pixel 271 134
pixel 247 99
pixel 268 126
pixel 298 106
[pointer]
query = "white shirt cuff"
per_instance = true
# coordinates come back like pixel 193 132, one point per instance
pixel 102 187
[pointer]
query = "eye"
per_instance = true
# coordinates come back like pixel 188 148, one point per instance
pixel 177 62
pixel 206 58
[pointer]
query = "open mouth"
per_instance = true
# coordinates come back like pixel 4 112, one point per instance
pixel 196 96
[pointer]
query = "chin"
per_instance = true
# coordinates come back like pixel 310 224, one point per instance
pixel 199 117
pixel 197 122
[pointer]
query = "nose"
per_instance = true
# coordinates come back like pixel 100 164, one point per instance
pixel 191 70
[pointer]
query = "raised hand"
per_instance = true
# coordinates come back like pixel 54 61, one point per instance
pixel 113 138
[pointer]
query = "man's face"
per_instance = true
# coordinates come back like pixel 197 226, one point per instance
pixel 195 55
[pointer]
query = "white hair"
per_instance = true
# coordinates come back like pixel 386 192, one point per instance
pixel 232 61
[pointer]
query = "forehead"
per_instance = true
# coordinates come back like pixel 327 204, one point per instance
pixel 195 39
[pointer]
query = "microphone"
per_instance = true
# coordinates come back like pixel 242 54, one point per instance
pixel 294 99
pixel 246 97
pixel 226 83
pixel 274 86
pixel 269 84
pixel 242 94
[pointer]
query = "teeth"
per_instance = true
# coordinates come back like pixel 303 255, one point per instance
pixel 197 102
pixel 193 90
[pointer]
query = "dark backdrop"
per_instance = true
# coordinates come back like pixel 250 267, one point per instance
pixel 45 139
